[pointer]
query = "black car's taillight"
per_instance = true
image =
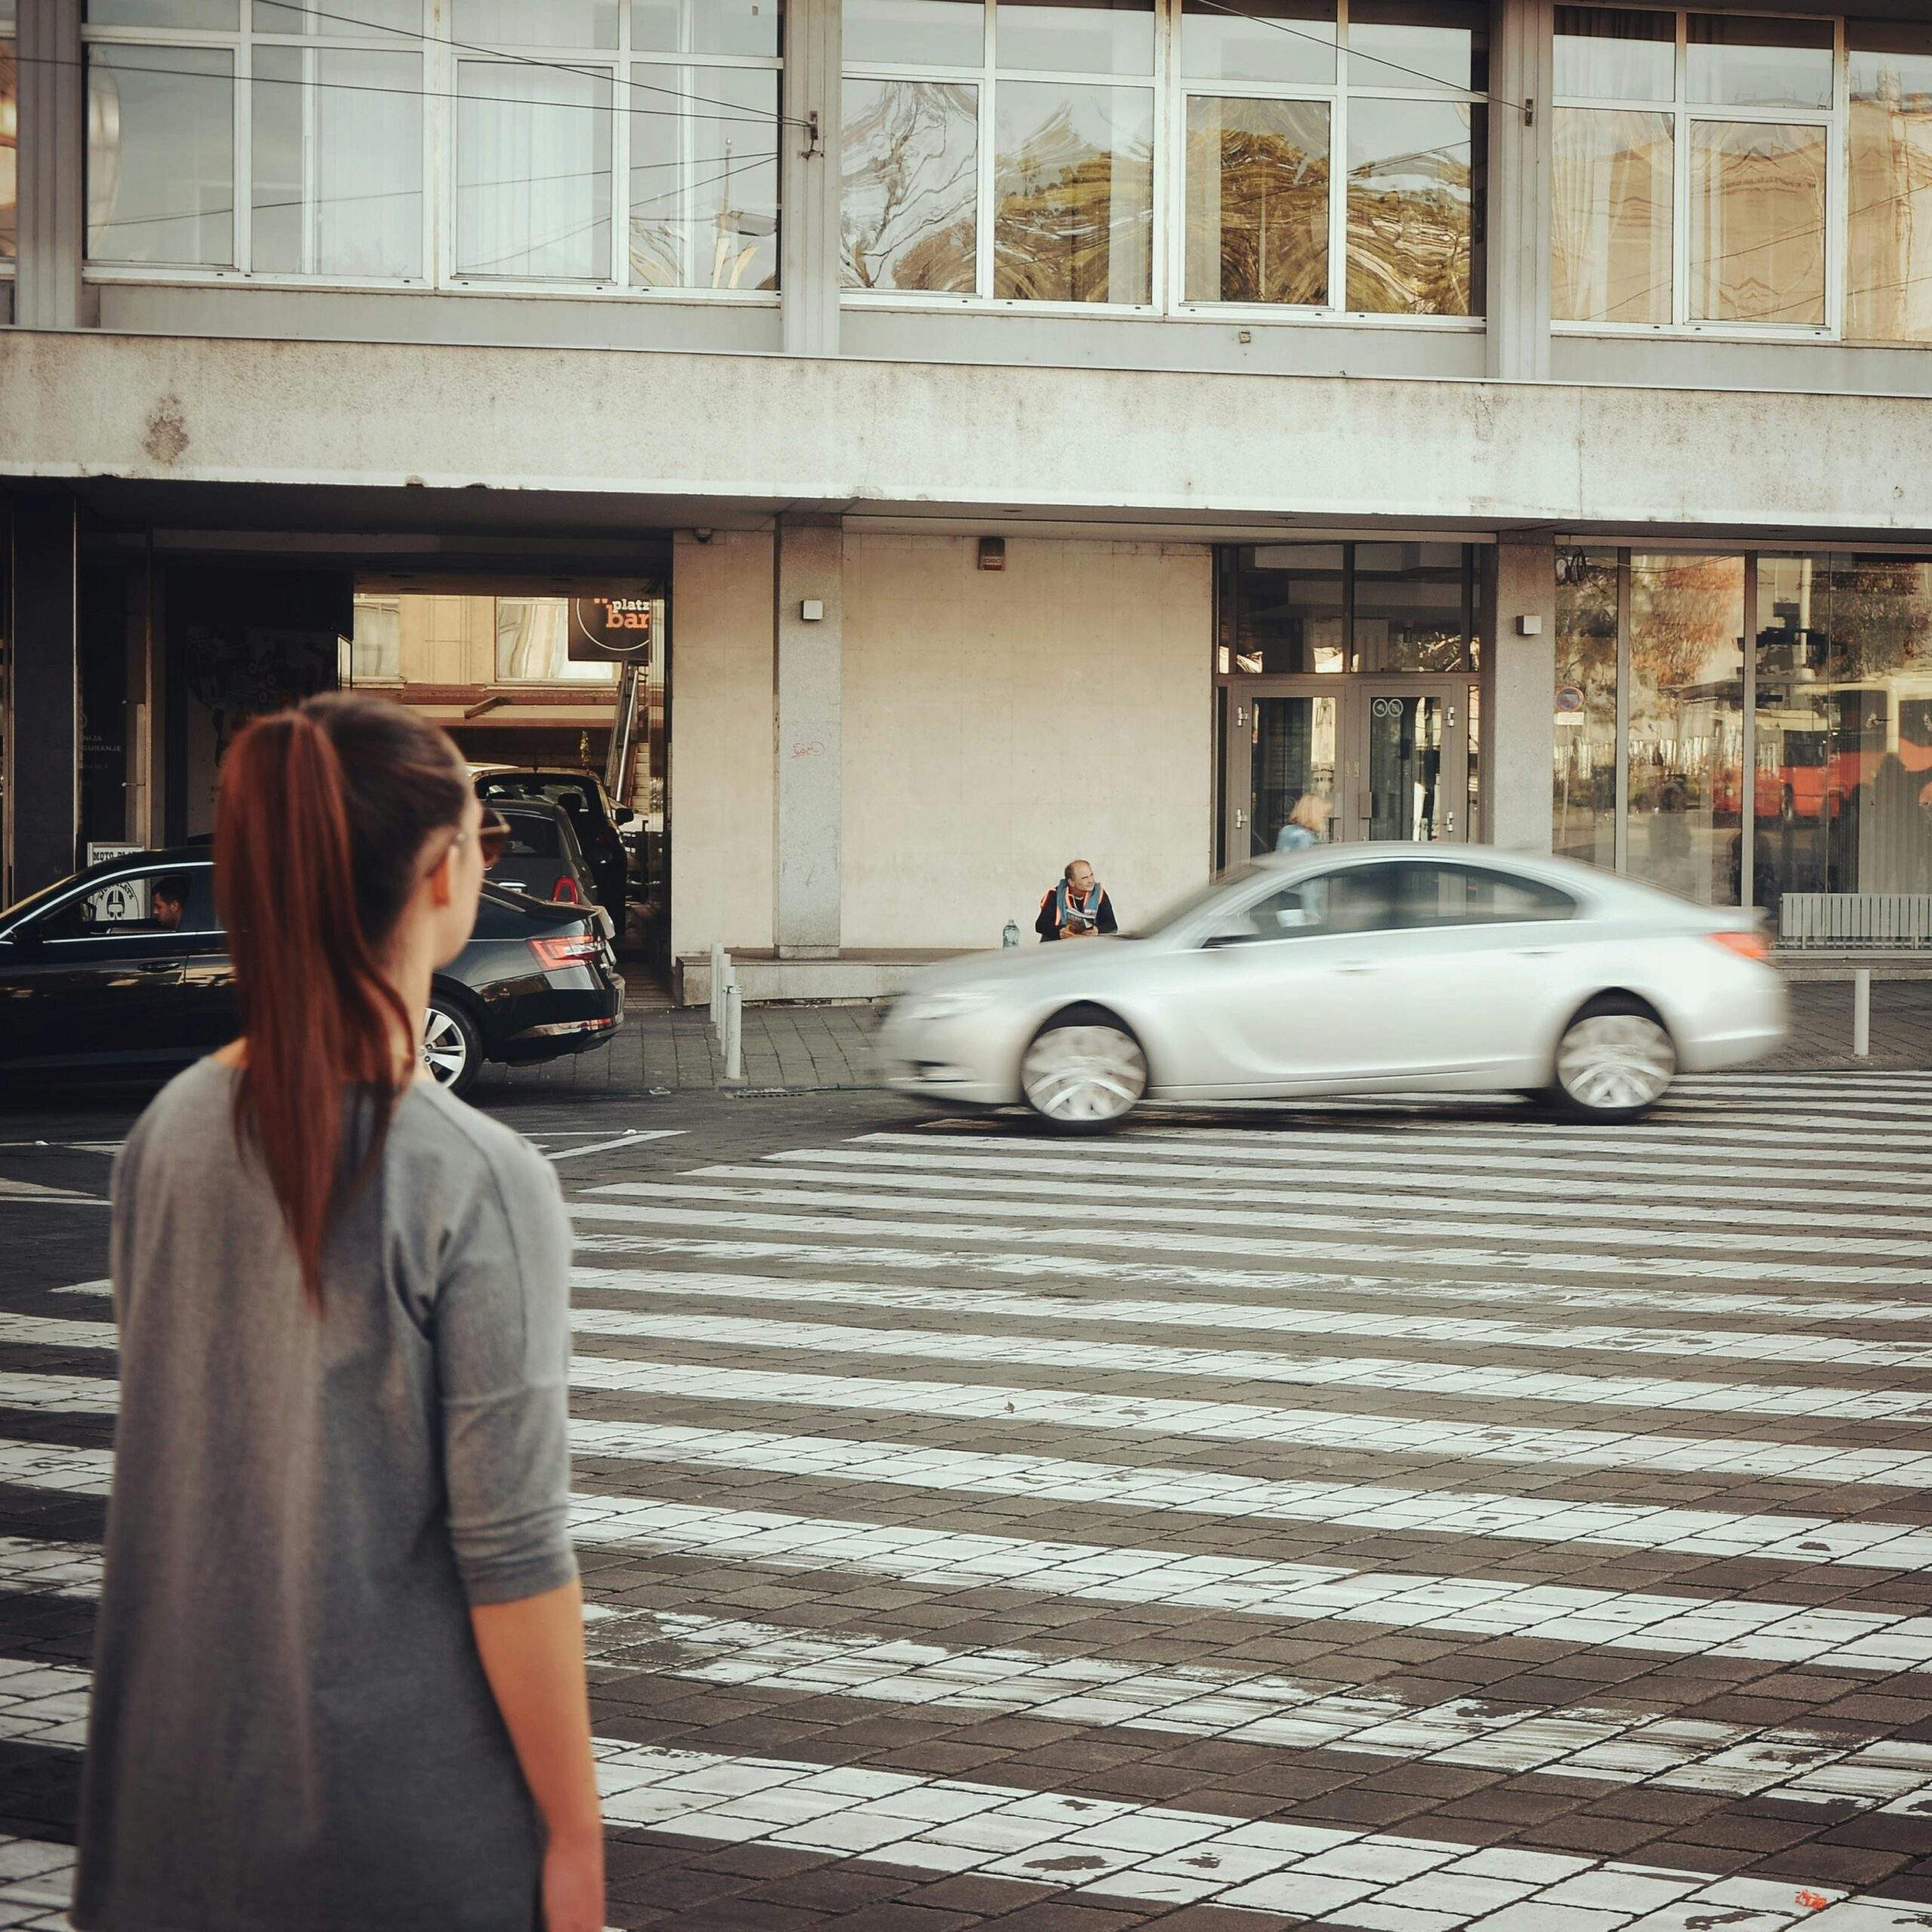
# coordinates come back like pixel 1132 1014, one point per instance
pixel 553 955
pixel 565 889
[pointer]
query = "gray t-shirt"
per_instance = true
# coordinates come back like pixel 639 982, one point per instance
pixel 291 1725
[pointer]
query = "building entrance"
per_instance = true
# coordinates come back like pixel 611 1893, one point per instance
pixel 1383 757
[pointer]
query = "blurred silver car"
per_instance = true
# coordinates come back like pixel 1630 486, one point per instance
pixel 1354 969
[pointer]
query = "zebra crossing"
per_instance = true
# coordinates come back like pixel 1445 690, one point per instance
pixel 1389 1517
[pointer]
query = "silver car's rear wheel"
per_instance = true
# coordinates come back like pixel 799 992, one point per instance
pixel 1615 1062
pixel 1083 1073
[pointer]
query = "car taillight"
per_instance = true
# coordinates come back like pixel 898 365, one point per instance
pixel 567 949
pixel 565 888
pixel 1748 944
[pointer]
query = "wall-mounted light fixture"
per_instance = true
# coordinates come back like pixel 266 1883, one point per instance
pixel 992 553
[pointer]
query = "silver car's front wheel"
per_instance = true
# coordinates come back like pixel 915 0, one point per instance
pixel 1083 1073
pixel 1615 1062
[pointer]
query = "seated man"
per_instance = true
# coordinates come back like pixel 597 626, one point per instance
pixel 1077 907
pixel 167 902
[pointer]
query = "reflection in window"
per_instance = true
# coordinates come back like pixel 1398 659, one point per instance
pixel 212 14
pixel 911 185
pixel 534 22
pixel 1736 61
pixel 1843 783
pixel 1616 53
pixel 533 172
pixel 1413 606
pixel 920 33
pixel 1076 36
pixel 1583 793
pixel 1612 218
pixel 1890 297
pixel 1073 214
pixel 337 177
pixel 1257 200
pixel 1685 749
pixel 161 155
pixel 704 182
pixel 751 27
pixel 1291 41
pixel 1290 611
pixel 1419 43
pixel 1757 223
pixel 1414 172
pixel 533 644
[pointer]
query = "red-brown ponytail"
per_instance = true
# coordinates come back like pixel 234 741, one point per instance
pixel 323 813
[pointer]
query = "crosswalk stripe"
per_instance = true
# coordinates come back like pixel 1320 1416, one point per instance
pixel 1901 1547
pixel 1059 1234
pixel 1451 1144
pixel 1032 1265
pixel 1607 1181
pixel 1104 1848
pixel 1448 1380
pixel 1812 1463
pixel 1203 1197
pixel 1268 1318
pixel 1671 1625
pixel 917 1194
pixel 1617 1746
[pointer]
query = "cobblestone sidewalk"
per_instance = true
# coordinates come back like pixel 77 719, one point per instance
pixel 802 1048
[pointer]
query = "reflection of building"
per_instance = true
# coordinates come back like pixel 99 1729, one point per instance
pixel 1345 427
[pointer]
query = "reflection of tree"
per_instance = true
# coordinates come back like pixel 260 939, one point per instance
pixel 910 185
pixel 1060 203
pixel 1270 225
pixel 1686 676
pixel 1409 233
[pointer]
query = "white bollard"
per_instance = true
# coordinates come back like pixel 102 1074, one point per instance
pixel 1861 1013
pixel 734 1032
pixel 717 986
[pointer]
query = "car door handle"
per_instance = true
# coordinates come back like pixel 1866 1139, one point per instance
pixel 1356 966
pixel 154 965
pixel 1537 952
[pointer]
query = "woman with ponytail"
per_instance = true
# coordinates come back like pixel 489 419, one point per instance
pixel 338 1669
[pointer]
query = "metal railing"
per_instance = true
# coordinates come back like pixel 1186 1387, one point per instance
pixel 1834 922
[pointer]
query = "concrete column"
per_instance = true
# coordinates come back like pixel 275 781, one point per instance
pixel 47 291
pixel 1519 695
pixel 44 739
pixel 807 795
pixel 808 177
pixel 1521 69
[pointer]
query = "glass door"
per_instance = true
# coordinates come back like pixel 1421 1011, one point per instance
pixel 1315 760
pixel 1414 738
pixel 1286 765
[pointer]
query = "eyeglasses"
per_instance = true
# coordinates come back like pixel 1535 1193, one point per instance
pixel 493 834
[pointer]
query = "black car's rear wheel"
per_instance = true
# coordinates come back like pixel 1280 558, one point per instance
pixel 452 1047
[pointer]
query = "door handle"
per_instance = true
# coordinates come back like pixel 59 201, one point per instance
pixel 1354 966
pixel 154 965
pixel 1537 952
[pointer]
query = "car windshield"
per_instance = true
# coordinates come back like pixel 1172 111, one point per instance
pixel 1186 908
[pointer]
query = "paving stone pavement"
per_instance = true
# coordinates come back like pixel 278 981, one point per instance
pixel 1402 1517
pixel 807 1048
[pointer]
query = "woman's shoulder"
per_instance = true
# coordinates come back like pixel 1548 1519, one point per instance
pixel 435 1130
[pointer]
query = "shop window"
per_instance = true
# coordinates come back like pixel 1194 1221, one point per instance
pixel 1714 130
pixel 590 143
pixel 1889 298
pixel 1583 798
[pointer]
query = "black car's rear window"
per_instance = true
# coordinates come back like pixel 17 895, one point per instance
pixel 532 835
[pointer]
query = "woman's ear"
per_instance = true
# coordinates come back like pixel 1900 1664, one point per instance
pixel 441 880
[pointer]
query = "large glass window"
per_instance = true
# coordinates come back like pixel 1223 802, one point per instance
pixel 1005 152
pixel 1267 195
pixel 1889 292
pixel 604 143
pixel 1302 607
pixel 1711 130
pixel 1675 756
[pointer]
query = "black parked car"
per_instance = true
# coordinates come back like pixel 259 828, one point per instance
pixel 124 969
pixel 542 857
pixel 592 815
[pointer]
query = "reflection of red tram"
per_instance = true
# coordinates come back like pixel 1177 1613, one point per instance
pixel 1818 744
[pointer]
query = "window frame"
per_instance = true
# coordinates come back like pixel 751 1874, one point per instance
pixel 10 45
pixel 440 57
pixel 1834 120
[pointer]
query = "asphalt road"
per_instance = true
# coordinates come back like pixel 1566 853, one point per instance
pixel 1405 1518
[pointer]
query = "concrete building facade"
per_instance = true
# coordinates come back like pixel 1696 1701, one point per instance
pixel 1052 429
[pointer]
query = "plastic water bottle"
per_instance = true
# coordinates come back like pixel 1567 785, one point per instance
pixel 1011 935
